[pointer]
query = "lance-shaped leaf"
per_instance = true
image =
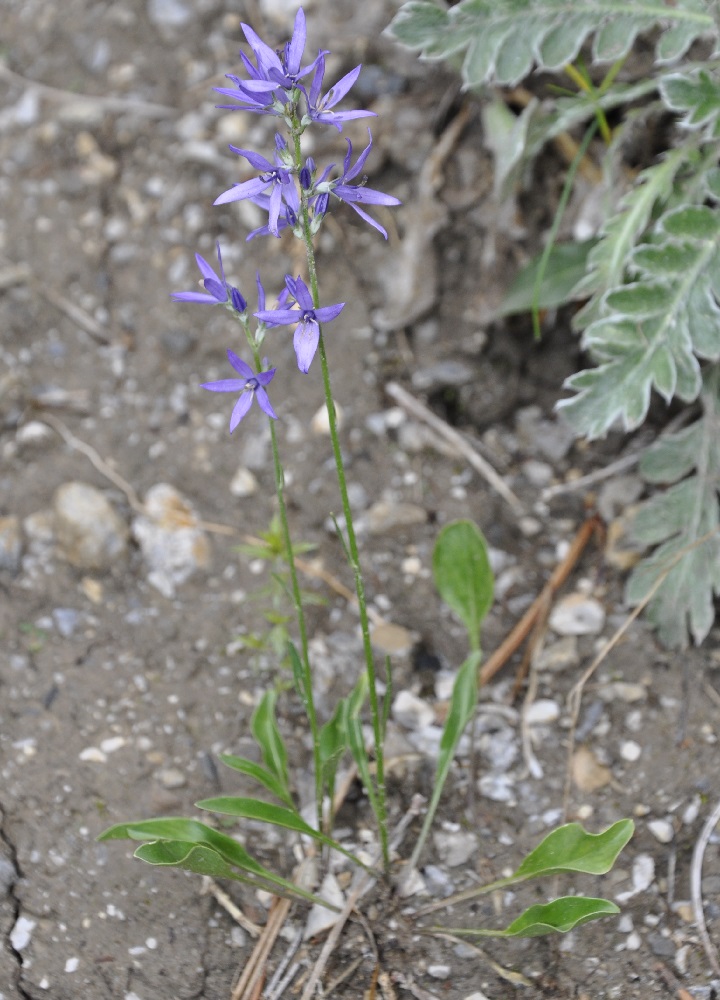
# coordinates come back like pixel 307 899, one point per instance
pixel 260 774
pixel 463 576
pixel 267 735
pixel 557 917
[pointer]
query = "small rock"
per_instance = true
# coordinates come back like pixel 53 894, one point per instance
pixel 172 542
pixel 171 777
pixel 497 787
pixel 560 655
pixel 437 881
pixel 34 434
pixel 412 712
pixel 89 532
pixel 392 639
pixel 455 848
pixel 10 544
pixel 384 517
pixel 112 743
pixel 320 423
pixel 577 614
pixel 662 830
pixel 588 774
pixel 244 483
pixel 623 691
pixel 618 493
pixel 691 811
pixel 66 620
pixel 410 882
pixel 537 473
pixel 169 13
pixel 542 712
pixel 633 941
pixel 71 964
pixel 445 374
pixel 643 872
pixel 552 439
pixel 93 755
pixel 439 971
pixel 320 918
pixel 630 751
pixel 21 933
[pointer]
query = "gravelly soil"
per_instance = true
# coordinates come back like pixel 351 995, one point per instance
pixel 116 698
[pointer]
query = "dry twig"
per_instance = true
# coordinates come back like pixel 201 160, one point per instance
pixel 696 887
pixel 421 412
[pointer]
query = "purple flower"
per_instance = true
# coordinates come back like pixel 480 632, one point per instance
pixel 307 317
pixel 275 176
pixel 274 74
pixel 352 194
pixel 217 289
pixel 320 108
pixel 250 386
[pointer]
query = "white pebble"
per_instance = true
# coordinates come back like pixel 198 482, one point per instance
pixel 93 755
pixel 662 830
pixel 21 933
pixel 542 712
pixel 633 941
pixel 243 483
pixel 630 751
pixel 643 872
pixel 72 964
pixel 112 743
pixel 412 712
pixel 320 422
pixel 577 614
pixel 691 811
pixel 439 971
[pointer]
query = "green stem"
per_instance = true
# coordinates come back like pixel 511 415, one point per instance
pixel 299 611
pixel 352 546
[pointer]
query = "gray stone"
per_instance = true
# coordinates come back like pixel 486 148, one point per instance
pixel 89 532
pixel 384 517
pixel 170 13
pixel 173 544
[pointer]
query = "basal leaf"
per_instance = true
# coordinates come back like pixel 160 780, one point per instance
pixel 463 576
pixel 570 848
pixel 559 916
pixel 267 736
pixel 260 774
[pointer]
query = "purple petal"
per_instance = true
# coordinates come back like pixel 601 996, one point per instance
pixel 297 44
pixel 240 409
pixel 205 269
pixel 265 55
pixel 275 205
pixel 261 292
pixel 216 289
pixel 277 317
pixel 264 403
pixel 327 313
pixel 194 297
pixel 264 378
pixel 255 159
pixel 225 385
pixel 317 80
pixel 350 174
pixel 241 191
pixel 305 343
pixel 341 88
pixel 369 219
pixel 302 294
pixel 368 196
pixel 239 365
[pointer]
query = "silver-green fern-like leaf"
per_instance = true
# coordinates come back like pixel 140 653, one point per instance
pixel 683 522
pixel 654 329
pixel 504 40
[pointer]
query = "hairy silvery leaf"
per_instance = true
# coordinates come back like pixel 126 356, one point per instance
pixel 697 96
pixel 653 330
pixel 683 521
pixel 504 40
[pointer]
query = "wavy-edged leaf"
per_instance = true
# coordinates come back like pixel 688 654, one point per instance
pixel 570 848
pixel 683 521
pixel 193 833
pixel 557 917
pixel 506 39
pixel 653 331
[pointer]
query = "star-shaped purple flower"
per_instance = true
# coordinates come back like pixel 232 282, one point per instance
pixel 250 386
pixel 307 317
pixel 217 290
pixel 320 108
pixel 354 193
pixel 275 176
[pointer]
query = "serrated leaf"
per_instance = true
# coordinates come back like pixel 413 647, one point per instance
pixel 570 848
pixel 694 95
pixel 505 39
pixel 653 330
pixel 683 521
pixel 462 574
pixel 565 267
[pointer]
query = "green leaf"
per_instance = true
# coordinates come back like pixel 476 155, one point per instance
pixel 191 858
pixel 463 576
pixel 565 267
pixel 559 916
pixel 696 95
pixel 260 774
pixel 570 848
pixel 267 736
pixel 506 39
pixel 683 521
pixel 332 744
pixel 462 708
